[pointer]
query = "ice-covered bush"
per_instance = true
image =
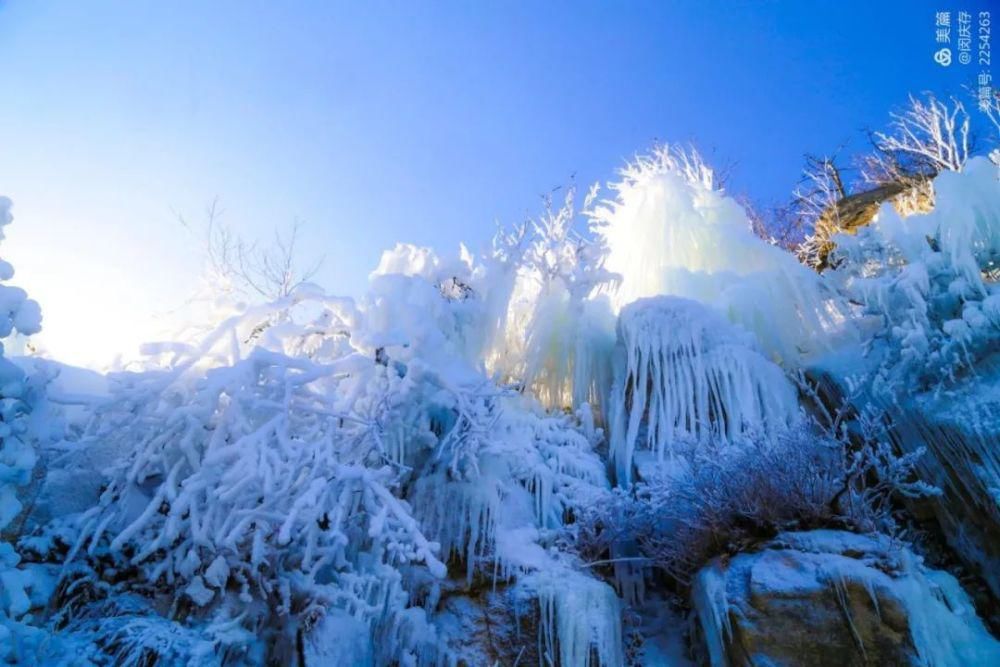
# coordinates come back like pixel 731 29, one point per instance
pixel 929 281
pixel 310 460
pixel 261 493
pixel 718 497
pixel 525 310
pixel 569 328
pixel 553 329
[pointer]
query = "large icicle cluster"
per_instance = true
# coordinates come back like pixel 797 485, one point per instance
pixel 567 330
pixel 683 372
pixel 670 230
pixel 580 620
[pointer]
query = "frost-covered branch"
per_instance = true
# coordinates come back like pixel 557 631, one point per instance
pixel 929 137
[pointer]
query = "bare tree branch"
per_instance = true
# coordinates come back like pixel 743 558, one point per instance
pixel 235 265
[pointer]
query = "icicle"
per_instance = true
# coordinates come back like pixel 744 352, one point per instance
pixel 943 623
pixel 581 620
pixel 709 592
pixel 684 372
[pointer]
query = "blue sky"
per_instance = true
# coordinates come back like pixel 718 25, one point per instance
pixel 378 122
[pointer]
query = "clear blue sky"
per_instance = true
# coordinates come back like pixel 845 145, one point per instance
pixel 377 122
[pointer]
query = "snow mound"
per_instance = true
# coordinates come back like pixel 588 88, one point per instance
pixel 24 425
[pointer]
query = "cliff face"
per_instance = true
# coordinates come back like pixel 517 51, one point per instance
pixel 959 432
pixel 835 598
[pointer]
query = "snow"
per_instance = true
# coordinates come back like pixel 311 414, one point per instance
pixel 339 639
pixel 22 399
pixel 314 453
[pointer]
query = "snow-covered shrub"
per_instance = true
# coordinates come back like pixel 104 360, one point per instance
pixel 19 394
pixel 929 281
pixel 263 492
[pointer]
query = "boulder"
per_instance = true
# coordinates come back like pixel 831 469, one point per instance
pixel 835 598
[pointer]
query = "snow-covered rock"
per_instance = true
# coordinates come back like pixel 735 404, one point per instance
pixel 495 625
pixel 836 598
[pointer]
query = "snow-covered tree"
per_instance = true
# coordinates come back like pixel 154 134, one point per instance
pixel 557 330
pixel 19 393
pixel 928 137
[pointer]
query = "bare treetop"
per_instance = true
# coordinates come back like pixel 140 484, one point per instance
pixel 269 271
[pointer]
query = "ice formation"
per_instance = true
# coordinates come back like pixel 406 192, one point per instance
pixel 929 280
pixel 316 467
pixel 556 330
pixel 927 288
pixel 318 459
pixel 581 620
pixel 684 372
pixel 670 230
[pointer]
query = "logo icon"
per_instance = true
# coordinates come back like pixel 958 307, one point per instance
pixel 943 57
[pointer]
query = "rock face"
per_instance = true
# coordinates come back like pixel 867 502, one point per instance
pixel 961 435
pixel 836 598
